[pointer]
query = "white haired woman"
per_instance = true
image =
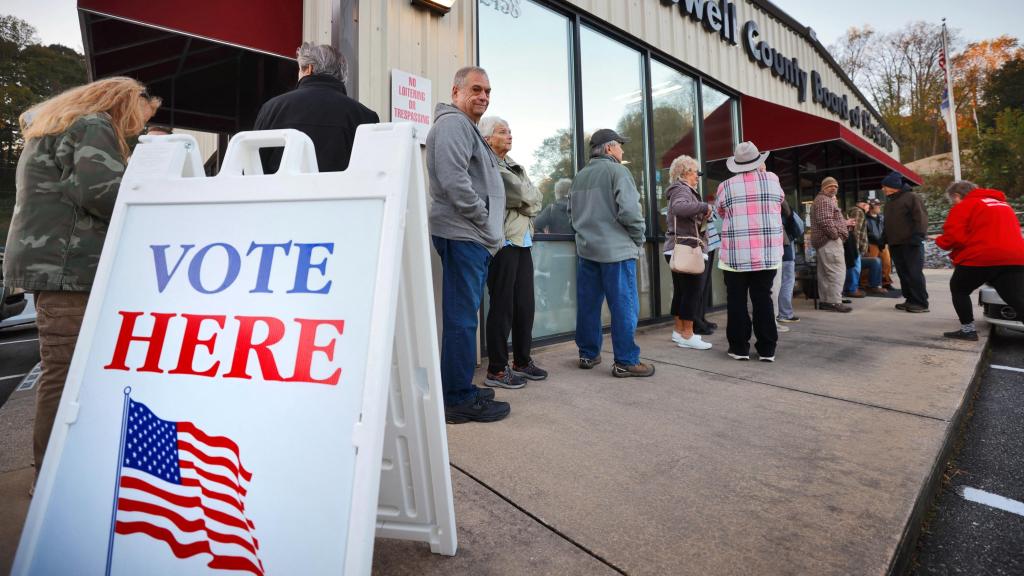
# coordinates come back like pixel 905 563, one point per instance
pixel 510 275
pixel 686 217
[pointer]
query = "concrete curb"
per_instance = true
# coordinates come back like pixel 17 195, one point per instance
pixel 902 560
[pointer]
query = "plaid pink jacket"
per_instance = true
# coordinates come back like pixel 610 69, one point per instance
pixel 750 205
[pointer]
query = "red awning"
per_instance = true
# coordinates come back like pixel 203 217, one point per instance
pixel 272 26
pixel 774 127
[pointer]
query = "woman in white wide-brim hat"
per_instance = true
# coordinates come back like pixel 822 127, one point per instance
pixel 750 206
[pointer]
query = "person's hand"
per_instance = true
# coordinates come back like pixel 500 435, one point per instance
pixel 851 222
pixel 711 210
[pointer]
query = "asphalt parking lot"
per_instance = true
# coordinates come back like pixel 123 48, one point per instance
pixel 977 523
pixel 19 353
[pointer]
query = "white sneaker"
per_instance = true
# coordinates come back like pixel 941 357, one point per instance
pixel 677 337
pixel 781 328
pixel 695 342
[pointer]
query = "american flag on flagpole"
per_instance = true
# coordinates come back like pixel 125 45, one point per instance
pixel 187 489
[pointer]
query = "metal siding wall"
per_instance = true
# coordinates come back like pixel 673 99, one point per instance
pixel 668 30
pixel 395 34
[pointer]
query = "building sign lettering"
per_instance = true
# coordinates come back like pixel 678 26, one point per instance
pixel 720 18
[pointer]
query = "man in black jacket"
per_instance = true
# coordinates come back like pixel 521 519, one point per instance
pixel 319 107
pixel 905 227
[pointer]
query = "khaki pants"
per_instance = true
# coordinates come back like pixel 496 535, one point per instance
pixel 831 272
pixel 874 252
pixel 59 319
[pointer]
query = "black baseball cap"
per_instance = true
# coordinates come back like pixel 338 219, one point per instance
pixel 606 135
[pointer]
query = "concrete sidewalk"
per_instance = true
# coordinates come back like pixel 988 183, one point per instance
pixel 811 465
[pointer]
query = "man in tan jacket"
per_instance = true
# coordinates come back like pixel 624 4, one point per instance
pixel 828 231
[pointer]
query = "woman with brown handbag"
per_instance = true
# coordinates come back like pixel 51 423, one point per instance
pixel 685 248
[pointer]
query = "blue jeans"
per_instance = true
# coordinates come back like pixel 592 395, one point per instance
pixel 616 281
pixel 786 289
pixel 464 271
pixel 874 266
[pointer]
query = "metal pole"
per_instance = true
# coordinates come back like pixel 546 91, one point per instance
pixel 952 104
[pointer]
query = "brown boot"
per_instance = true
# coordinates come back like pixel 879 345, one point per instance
pixel 635 371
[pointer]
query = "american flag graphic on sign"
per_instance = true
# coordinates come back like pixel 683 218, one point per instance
pixel 186 489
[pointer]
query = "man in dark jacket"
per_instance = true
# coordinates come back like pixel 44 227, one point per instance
pixel 319 107
pixel 906 225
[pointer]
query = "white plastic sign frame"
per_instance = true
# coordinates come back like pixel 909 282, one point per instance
pixel 388 172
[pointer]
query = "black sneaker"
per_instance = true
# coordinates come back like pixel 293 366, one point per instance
pixel 531 371
pixel 479 410
pixel 916 308
pixel 738 356
pixel 485 393
pixel 790 320
pixel 588 363
pixel 505 379
pixel 961 335
pixel 712 325
pixel 639 370
pixel 703 330
pixel 901 306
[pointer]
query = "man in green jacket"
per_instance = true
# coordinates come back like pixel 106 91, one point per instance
pixel 604 208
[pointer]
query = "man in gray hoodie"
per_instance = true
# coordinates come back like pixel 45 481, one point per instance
pixel 604 208
pixel 464 185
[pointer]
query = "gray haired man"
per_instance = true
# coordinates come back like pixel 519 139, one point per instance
pixel 320 107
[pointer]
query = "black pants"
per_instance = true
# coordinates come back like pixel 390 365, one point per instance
pixel 705 291
pixel 1007 280
pixel 909 262
pixel 687 290
pixel 758 286
pixel 510 285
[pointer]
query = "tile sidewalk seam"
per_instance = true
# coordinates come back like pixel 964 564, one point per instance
pixel 540 521
pixel 799 391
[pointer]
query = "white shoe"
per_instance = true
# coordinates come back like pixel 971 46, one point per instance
pixel 695 342
pixel 677 337
pixel 781 328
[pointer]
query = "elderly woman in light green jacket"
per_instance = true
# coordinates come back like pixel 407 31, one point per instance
pixel 510 277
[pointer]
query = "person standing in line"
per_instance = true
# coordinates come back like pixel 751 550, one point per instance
pixel 750 205
pixel 906 225
pixel 319 107
pixel 604 209
pixel 466 227
pixel 856 245
pixel 984 238
pixel 875 224
pixel 828 232
pixel 793 229
pixel 686 214
pixel 510 275
pixel 69 174
pixel 701 325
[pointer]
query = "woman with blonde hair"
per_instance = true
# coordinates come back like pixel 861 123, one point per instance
pixel 76 150
pixel 687 215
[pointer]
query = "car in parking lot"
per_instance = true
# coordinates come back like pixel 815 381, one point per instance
pixel 997 311
pixel 16 308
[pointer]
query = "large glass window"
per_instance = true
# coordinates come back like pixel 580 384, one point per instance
pixel 527 57
pixel 613 97
pixel 720 136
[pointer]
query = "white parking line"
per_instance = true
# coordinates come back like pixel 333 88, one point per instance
pixel 13 376
pixel 1009 368
pixel 993 500
pixel 19 341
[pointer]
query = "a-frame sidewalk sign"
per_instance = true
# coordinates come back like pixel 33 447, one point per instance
pixel 256 385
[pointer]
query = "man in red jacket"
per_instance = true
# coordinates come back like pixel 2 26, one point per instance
pixel 984 238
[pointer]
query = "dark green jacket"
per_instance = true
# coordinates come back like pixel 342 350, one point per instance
pixel 906 220
pixel 66 187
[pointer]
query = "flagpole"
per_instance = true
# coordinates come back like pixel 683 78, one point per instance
pixel 952 104
pixel 117 480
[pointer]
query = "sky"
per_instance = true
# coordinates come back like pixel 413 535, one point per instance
pixel 57 20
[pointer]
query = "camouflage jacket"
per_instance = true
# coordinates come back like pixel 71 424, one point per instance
pixel 66 187
pixel 860 229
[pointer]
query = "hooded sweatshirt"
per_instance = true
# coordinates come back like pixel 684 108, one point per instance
pixel 465 184
pixel 982 230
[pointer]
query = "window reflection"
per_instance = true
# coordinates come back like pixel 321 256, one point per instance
pixel 527 57
pixel 613 98
pixel 675 120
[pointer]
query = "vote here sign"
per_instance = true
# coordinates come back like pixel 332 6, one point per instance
pixel 222 368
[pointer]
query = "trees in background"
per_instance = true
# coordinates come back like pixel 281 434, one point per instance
pixel 900 73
